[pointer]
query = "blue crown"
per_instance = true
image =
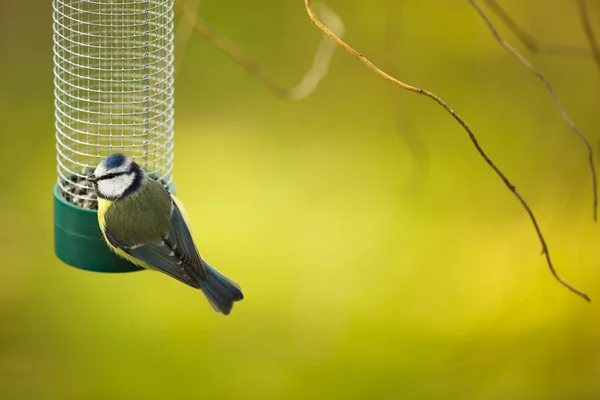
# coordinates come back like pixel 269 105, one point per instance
pixel 114 160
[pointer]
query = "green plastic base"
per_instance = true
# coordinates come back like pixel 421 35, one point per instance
pixel 78 241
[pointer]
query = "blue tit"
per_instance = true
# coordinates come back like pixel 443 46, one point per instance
pixel 143 223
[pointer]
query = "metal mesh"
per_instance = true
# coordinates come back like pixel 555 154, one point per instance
pixel 113 69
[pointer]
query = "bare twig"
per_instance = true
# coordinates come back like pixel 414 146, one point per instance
pixel 589 32
pixel 311 79
pixel 562 111
pixel 404 126
pixel 529 41
pixel 462 123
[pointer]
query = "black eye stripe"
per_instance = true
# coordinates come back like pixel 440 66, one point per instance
pixel 110 176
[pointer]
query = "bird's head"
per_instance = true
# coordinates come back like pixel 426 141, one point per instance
pixel 117 176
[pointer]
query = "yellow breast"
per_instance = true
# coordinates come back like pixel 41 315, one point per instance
pixel 104 205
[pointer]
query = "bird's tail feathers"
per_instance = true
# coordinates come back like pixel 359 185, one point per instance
pixel 220 291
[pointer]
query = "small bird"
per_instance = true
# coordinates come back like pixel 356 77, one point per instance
pixel 143 223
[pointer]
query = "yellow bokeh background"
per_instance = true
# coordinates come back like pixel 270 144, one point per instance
pixel 357 284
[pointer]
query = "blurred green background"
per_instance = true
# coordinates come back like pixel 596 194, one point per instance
pixel 362 279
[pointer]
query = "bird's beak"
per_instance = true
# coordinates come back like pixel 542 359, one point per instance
pixel 91 178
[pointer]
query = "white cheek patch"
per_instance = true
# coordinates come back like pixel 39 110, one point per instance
pixel 102 170
pixel 115 187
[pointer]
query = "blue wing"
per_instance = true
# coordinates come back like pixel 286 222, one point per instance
pixel 179 239
pixel 175 255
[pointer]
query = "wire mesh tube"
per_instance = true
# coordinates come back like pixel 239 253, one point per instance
pixel 113 81
pixel 113 71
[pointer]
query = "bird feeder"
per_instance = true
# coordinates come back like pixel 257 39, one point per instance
pixel 113 85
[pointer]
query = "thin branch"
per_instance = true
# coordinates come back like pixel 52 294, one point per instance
pixel 462 123
pixel 529 41
pixel 311 79
pixel 562 111
pixel 589 32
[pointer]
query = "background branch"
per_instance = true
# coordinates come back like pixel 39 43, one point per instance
pixel 182 35
pixel 464 125
pixel 533 45
pixel 310 80
pixel 404 126
pixel 589 33
pixel 562 111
